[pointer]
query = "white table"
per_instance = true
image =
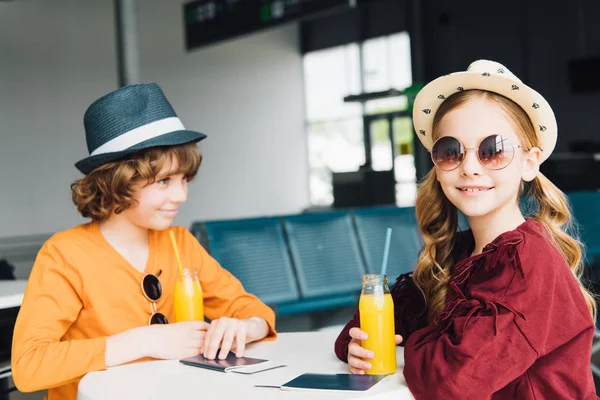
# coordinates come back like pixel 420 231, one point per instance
pixel 301 352
pixel 11 293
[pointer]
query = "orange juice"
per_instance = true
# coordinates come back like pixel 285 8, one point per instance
pixel 377 320
pixel 189 303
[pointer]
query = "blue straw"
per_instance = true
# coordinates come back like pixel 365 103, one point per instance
pixel 386 250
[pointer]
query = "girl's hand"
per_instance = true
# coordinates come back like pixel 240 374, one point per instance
pixel 232 334
pixel 357 355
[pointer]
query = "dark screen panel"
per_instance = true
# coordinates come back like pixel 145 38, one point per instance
pixel 211 21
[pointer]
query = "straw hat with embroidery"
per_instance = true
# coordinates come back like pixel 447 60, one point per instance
pixel 493 77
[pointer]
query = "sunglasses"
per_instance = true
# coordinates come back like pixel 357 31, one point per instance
pixel 494 152
pixel 152 290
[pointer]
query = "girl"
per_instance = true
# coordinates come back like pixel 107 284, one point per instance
pixel 499 311
pixel 101 294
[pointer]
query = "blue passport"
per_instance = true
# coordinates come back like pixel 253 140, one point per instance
pixel 333 382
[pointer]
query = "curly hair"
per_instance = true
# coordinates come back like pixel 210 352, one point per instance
pixel 110 188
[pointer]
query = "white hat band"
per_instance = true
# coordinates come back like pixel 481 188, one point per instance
pixel 139 135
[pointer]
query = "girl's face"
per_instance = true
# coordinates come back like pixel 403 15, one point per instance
pixel 157 203
pixel 473 188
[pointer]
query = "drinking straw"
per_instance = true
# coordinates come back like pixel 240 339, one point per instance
pixel 174 243
pixel 386 250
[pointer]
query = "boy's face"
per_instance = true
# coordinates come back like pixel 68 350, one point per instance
pixel 157 203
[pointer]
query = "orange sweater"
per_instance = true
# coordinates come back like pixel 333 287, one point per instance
pixel 81 290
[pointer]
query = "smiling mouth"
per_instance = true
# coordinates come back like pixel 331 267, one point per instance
pixel 475 189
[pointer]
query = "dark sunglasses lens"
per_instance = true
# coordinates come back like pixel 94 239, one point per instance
pixel 496 152
pixel 159 319
pixel 152 288
pixel 447 153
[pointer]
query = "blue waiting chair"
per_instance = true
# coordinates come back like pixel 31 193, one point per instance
pixel 327 256
pixel 255 252
pixel 586 210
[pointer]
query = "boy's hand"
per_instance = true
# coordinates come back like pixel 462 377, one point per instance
pixel 175 341
pixel 232 334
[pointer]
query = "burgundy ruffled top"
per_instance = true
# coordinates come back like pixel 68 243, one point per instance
pixel 515 325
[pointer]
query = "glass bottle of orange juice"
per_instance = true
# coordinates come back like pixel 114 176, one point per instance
pixel 376 309
pixel 189 304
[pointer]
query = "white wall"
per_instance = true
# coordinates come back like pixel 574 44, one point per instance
pixel 57 56
pixel 247 96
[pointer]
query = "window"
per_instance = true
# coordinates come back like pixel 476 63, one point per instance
pixel 335 128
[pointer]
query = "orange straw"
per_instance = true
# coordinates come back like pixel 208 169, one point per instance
pixel 174 242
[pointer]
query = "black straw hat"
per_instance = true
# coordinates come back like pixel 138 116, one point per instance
pixel 128 120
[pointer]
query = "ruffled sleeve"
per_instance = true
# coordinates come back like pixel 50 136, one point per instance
pixel 476 347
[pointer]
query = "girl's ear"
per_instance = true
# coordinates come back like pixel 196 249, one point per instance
pixel 531 164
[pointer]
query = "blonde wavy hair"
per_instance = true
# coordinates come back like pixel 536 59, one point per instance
pixel 438 217
pixel 111 187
